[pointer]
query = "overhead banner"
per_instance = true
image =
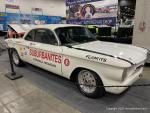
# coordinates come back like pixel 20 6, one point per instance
pixel 92 12
pixel 17 18
pixel 10 0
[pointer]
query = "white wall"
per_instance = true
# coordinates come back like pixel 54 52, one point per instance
pixel 50 7
pixel 142 15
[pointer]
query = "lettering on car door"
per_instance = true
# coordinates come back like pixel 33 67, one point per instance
pixel 45 51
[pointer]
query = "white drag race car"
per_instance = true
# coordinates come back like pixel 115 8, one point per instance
pixel 71 51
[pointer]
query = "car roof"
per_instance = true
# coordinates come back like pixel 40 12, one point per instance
pixel 55 26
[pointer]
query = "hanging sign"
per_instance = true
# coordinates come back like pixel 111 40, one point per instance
pixel 10 6
pixel 92 12
pixel 10 0
pixel 37 9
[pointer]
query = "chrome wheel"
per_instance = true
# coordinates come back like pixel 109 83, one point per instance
pixel 87 81
pixel 15 58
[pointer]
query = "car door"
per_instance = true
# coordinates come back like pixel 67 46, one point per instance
pixel 45 52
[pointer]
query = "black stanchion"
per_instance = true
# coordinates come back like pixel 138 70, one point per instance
pixel 12 75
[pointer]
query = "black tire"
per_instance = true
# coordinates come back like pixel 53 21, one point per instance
pixel 98 91
pixel 14 55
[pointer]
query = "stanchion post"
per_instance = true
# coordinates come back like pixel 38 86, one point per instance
pixel 12 75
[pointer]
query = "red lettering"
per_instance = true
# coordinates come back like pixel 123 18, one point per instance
pixel 56 58
pixel 36 53
pixel 49 56
pixel 42 55
pixel 67 62
pixel 46 55
pixel 53 57
pixel 59 59
pixel 39 53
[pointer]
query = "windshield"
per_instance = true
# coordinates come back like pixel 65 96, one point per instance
pixel 74 35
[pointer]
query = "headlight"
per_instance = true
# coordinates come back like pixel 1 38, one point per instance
pixel 127 72
pixel 131 71
pixel 124 74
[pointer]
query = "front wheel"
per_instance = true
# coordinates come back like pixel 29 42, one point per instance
pixel 89 84
pixel 16 59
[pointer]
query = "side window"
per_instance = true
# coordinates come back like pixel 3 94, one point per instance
pixel 30 36
pixel 45 36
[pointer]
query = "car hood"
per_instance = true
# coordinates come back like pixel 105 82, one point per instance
pixel 129 53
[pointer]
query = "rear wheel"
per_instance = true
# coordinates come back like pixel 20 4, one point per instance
pixel 87 82
pixel 16 59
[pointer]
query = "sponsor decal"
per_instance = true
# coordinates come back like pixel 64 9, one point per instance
pixel 44 62
pixel 89 57
pixel 45 55
pixel 67 62
pixel 26 51
pixel 23 51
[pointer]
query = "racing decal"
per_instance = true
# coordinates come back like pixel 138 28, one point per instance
pixel 23 51
pixel 89 57
pixel 20 49
pixel 45 55
pixel 44 62
pixel 26 51
pixel 67 62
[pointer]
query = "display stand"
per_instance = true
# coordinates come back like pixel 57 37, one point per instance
pixel 12 75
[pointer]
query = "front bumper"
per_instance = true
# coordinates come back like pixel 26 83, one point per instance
pixel 128 82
